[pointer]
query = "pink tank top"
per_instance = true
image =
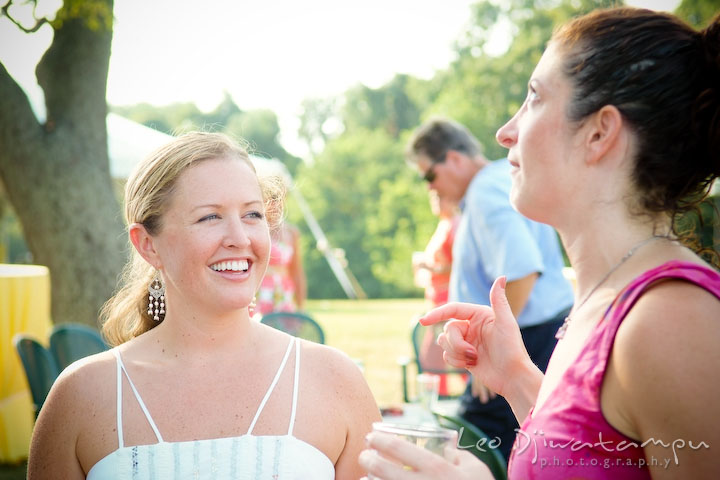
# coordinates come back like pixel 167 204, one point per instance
pixel 569 437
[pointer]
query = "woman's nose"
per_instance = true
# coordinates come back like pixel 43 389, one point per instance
pixel 507 134
pixel 236 235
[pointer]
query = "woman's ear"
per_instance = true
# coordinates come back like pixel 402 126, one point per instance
pixel 604 133
pixel 144 244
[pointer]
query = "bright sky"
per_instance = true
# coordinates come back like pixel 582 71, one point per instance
pixel 266 54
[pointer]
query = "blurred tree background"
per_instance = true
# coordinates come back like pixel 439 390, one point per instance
pixel 365 197
pixel 372 207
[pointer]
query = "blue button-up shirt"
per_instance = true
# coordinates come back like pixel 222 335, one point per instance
pixel 493 239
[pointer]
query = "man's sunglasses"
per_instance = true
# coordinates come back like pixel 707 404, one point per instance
pixel 430 174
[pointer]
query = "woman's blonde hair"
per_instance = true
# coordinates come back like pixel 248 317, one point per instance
pixel 147 194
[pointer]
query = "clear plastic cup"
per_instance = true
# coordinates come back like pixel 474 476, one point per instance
pixel 428 387
pixel 433 438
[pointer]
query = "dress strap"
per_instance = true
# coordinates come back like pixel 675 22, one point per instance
pixel 121 367
pixel 295 386
pixel 272 386
pixel 700 275
pixel 118 412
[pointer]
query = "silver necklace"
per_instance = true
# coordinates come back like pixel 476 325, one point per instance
pixel 563 328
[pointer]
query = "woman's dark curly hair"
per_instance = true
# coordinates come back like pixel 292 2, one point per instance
pixel 664 78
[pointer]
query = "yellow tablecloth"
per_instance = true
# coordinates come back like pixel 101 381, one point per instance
pixel 24 308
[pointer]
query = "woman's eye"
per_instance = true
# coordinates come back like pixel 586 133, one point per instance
pixel 257 215
pixel 213 216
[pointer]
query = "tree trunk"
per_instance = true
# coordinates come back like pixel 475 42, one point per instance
pixel 57 175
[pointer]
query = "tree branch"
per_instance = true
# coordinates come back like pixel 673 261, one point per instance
pixel 38 22
pixel 73 71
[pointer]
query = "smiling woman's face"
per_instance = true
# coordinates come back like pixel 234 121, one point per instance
pixel 214 242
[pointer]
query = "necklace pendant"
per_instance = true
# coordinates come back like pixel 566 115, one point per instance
pixel 563 328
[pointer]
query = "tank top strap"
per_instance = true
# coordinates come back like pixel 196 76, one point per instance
pixel 295 386
pixel 272 385
pixel 118 411
pixel 700 275
pixel 120 370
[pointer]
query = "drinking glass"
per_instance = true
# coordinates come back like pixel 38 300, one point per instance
pixel 428 386
pixel 430 437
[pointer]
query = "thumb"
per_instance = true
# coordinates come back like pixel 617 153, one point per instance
pixel 499 301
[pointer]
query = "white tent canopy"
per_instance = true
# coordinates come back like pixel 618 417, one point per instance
pixel 129 142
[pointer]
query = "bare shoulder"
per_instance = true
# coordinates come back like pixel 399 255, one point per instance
pixel 327 365
pixel 664 364
pixel 673 313
pixel 337 367
pixel 347 402
pixel 83 379
pixel 336 376
pixel 83 388
pixel 329 371
pixel 73 411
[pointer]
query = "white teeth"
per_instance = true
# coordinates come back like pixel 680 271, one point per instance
pixel 235 266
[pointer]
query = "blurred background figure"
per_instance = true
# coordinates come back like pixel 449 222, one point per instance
pixel 432 267
pixel 284 288
pixel 431 270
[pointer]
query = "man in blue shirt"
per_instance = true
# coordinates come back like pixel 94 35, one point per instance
pixel 493 239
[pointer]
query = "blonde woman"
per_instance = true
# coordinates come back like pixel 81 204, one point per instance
pixel 193 388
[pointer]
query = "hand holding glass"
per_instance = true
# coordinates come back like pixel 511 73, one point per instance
pixel 433 438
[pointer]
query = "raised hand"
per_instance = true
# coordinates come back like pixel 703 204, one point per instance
pixel 485 340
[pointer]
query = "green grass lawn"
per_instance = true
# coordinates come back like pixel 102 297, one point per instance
pixel 375 332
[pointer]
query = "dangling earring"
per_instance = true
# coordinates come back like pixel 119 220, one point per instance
pixel 156 303
pixel 251 307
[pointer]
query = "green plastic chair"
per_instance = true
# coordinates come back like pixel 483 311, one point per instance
pixel 477 442
pixel 40 367
pixel 71 341
pixel 295 324
pixel 417 335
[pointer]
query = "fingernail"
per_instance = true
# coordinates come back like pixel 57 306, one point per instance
pixel 365 458
pixel 502 282
pixel 379 440
pixel 470 353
